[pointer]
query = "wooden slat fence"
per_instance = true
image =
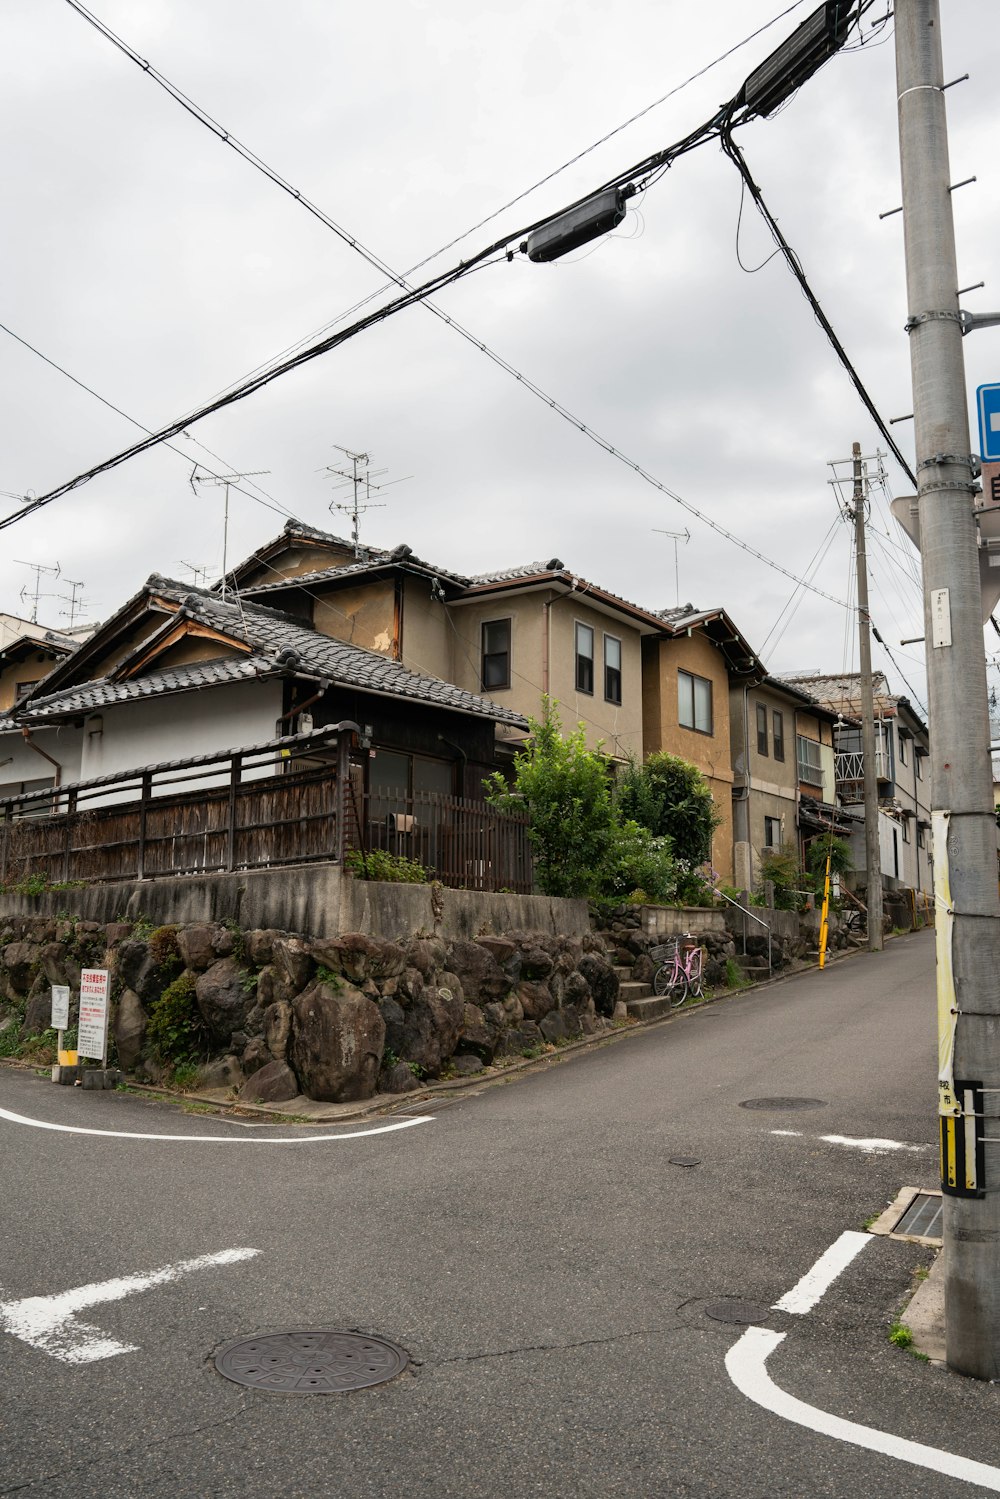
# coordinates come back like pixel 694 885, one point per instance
pixel 262 807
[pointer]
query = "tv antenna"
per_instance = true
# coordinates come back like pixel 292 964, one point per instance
pixel 677 537
pixel 225 480
pixel 359 479
pixel 199 575
pixel 35 594
pixel 76 604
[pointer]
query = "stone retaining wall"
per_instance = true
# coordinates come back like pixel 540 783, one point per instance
pixel 336 1017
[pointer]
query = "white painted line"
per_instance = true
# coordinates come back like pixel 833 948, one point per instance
pixel 745 1363
pixel 871 1147
pixel 804 1296
pixel 124 1134
pixel 49 1322
pixel 851 1142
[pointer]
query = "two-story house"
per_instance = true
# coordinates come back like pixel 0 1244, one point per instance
pixel 902 750
pixel 784 767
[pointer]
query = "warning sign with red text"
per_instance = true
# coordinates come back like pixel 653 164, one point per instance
pixel 95 989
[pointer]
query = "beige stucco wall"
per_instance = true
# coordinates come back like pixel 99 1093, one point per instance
pixel 363 616
pixel 662 729
pixel 37 665
pixel 427 635
pixel 192 648
pixel 300 557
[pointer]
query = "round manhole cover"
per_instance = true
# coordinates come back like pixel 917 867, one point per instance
pixel 777 1105
pixel 311 1363
pixel 743 1312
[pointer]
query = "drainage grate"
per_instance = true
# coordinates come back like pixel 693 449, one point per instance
pixel 777 1105
pixel 311 1363
pixel 743 1312
pixel 922 1218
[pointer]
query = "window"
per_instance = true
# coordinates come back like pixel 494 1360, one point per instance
pixel 918 764
pixel 612 669
pixel 584 659
pixel 920 830
pixel 778 734
pixel 905 829
pixel 902 748
pixel 761 729
pixel 496 654
pixel 23 688
pixel 809 763
pixel 694 702
pixel 772 832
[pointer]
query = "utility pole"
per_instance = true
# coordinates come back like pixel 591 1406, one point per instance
pixel 873 855
pixel 965 871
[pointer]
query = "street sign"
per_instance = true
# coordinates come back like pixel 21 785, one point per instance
pixel 988 407
pixel 92 1035
pixel 60 1007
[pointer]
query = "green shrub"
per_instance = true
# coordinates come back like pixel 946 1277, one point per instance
pixel 176 1030
pixel 639 863
pixel 378 864
pixel 673 799
pixel 781 867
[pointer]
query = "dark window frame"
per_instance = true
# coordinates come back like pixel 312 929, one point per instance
pixel 494 656
pixel 584 664
pixel 613 674
pixel 777 823
pixel 762 729
pixel 692 677
pixel 778 734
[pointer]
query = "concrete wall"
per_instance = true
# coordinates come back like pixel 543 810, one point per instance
pixel 24 764
pixel 673 921
pixel 318 900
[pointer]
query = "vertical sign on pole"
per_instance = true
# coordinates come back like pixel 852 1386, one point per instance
pixel 60 1020
pixel 95 988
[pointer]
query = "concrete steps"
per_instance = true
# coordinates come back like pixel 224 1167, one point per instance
pixel 651 1007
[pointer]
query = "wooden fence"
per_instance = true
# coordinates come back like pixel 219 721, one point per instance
pixel 287 802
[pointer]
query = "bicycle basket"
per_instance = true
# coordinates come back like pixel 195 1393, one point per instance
pixel 665 953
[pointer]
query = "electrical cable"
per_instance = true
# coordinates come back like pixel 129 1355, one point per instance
pixel 791 259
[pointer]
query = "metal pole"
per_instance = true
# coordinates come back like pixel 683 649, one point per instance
pixel 965 871
pixel 873 857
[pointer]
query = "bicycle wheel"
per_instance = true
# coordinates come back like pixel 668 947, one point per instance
pixel 662 979
pixel 678 990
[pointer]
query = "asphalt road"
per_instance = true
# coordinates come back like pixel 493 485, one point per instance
pixel 532 1247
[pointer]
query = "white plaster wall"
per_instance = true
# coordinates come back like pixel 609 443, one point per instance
pixel 25 764
pixel 177 727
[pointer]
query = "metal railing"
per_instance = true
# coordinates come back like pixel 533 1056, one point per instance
pixel 464 843
pixel 760 922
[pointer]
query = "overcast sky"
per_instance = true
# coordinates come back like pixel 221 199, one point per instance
pixel 147 259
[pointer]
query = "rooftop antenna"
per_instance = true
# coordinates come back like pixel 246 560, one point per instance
pixel 199 575
pixel 76 604
pixel 225 480
pixel 34 594
pixel 359 479
pixel 677 537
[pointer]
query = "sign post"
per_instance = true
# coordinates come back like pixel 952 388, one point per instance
pixel 92 1034
pixel 59 1020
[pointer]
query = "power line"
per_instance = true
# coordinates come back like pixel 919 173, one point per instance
pixel 792 260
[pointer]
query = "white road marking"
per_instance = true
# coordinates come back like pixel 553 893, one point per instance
pixel 851 1142
pixel 804 1296
pixel 871 1147
pixel 49 1322
pixel 124 1134
pixel 745 1363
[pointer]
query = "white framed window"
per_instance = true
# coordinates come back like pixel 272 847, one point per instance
pixel 584 659
pixel 612 669
pixel 809 762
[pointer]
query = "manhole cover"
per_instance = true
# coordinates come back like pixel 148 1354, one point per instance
pixel 776 1105
pixel 744 1312
pixel 685 1160
pixel 311 1363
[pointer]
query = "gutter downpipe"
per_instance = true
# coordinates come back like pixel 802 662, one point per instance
pixel 57 780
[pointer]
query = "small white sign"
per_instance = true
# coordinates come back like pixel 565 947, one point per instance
pixel 95 988
pixel 940 617
pixel 60 1007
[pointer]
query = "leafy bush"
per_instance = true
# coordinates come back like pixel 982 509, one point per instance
pixel 638 863
pixel 563 788
pixel 378 864
pixel 176 1030
pixel 672 798
pixel 781 867
pixel 841 860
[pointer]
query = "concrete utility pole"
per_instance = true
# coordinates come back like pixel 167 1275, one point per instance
pixel 965 867
pixel 873 856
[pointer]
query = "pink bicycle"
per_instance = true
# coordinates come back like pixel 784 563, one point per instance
pixel 679 975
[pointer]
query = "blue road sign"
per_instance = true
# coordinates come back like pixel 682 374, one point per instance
pixel 988 406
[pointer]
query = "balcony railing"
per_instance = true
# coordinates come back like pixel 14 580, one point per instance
pixel 850 769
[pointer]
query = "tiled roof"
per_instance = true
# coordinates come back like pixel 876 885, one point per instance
pixel 842 693
pixel 277 643
pixel 102 694
pixel 526 570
